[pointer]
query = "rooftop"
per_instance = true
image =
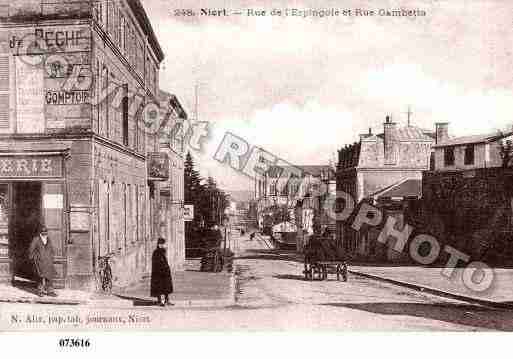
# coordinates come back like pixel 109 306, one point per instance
pixel 408 133
pixel 405 188
pixel 144 22
pixel 474 139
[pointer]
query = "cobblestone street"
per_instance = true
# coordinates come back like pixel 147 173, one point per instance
pixel 272 294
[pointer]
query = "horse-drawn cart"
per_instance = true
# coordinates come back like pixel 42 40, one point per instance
pixel 322 268
pixel 323 256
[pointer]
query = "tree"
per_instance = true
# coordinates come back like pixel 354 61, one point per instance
pixel 209 201
pixel 192 180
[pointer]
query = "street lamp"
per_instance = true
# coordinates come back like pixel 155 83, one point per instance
pixel 226 222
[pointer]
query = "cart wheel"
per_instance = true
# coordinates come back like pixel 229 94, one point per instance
pixel 308 273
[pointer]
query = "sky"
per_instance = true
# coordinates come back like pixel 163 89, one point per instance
pixel 301 88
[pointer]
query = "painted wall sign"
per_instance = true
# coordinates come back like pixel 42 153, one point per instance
pixel 50 40
pixel 30 166
pixel 62 97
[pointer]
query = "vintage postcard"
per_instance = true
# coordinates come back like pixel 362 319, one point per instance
pixel 255 166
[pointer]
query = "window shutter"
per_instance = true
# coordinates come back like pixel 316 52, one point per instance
pixel 4 91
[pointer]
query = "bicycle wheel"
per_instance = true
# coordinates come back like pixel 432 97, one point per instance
pixel 107 279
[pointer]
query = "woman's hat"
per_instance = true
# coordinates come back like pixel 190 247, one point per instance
pixel 161 241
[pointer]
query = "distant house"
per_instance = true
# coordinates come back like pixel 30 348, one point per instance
pixel 469 152
pixel 292 188
pixel 388 164
pixel 467 197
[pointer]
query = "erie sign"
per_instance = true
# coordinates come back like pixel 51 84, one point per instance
pixel 30 166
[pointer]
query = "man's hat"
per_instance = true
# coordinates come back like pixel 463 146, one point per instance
pixel 43 229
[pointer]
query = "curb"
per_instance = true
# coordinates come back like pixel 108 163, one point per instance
pixel 229 300
pixel 438 292
pixel 28 300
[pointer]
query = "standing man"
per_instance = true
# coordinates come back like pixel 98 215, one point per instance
pixel 161 280
pixel 41 254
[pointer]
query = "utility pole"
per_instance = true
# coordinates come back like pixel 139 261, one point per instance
pixel 196 101
pixel 409 113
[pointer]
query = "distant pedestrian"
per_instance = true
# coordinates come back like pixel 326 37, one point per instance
pixel 161 281
pixel 252 236
pixel 216 235
pixel 41 254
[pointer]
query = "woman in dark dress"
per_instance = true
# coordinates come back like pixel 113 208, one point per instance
pixel 161 281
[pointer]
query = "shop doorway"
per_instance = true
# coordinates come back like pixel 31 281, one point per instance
pixel 25 220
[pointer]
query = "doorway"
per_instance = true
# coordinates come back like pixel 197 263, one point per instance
pixel 25 220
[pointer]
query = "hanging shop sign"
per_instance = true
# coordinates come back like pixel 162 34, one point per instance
pixel 158 166
pixel 188 212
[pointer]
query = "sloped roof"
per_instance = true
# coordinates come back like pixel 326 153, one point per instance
pixel 172 100
pixel 145 23
pixel 410 187
pixel 474 139
pixel 409 133
pixel 316 170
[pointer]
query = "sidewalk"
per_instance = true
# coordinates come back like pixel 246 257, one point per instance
pixel 25 292
pixel 192 289
pixel 500 294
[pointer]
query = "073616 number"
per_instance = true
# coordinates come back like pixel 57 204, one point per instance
pixel 74 343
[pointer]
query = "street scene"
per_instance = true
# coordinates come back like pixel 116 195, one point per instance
pixel 256 167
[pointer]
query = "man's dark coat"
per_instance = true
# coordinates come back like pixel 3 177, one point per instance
pixel 42 257
pixel 161 281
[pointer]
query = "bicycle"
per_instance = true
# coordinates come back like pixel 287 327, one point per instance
pixel 105 272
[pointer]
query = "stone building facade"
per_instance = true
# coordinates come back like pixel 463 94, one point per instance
pixel 171 224
pixel 374 163
pixel 468 152
pixel 73 78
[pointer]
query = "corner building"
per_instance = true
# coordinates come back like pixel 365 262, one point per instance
pixel 74 154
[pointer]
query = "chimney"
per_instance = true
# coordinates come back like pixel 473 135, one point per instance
pixel 365 135
pixel 442 132
pixel 389 141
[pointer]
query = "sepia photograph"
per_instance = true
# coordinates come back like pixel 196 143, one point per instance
pixel 339 166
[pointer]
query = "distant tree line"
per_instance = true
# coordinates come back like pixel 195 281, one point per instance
pixel 210 202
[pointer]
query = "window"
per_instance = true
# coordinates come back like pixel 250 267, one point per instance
pixel 449 156
pixel 96 11
pixel 125 114
pixel 469 155
pixel 120 30
pixel 105 107
pixel 4 91
pixel 272 189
